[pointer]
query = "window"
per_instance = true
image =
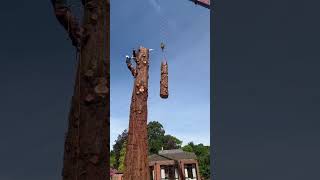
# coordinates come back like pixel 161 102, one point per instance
pixel 151 171
pixel 169 173
pixel 190 171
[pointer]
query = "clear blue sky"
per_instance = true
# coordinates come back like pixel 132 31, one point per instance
pixel 185 28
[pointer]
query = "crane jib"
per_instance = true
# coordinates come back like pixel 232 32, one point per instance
pixel 204 3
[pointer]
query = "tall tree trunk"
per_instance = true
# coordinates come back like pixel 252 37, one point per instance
pixel 86 155
pixel 136 160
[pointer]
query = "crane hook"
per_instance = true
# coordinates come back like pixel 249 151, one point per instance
pixel 162 46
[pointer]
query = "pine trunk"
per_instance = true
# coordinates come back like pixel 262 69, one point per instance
pixel 136 160
pixel 86 155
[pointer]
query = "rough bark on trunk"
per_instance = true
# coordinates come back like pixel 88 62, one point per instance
pixel 136 160
pixel 86 155
pixel 164 93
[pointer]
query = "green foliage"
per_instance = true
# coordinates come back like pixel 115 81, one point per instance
pixel 112 159
pixel 203 155
pixel 188 148
pixel 156 140
pixel 204 165
pixel 155 136
pixel 122 157
pixel 118 146
pixel 155 129
pixel 171 142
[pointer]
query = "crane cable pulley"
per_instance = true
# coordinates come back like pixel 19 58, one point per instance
pixel 162 46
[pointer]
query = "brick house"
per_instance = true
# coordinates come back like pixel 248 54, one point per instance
pixel 115 175
pixel 170 165
pixel 173 165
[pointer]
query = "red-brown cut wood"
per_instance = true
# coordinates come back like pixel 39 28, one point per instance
pixel 164 93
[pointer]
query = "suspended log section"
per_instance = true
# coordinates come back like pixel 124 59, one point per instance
pixel 164 92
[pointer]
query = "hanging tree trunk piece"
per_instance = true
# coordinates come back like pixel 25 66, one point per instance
pixel 164 93
pixel 86 154
pixel 136 159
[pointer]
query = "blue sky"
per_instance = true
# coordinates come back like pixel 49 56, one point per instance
pixel 185 29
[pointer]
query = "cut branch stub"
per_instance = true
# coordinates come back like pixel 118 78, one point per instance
pixel 164 92
pixel 89 98
pixel 68 21
pixel 102 88
pixel 131 67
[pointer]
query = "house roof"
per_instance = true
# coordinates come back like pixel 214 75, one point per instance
pixel 175 154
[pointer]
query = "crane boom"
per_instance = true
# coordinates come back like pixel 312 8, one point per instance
pixel 203 3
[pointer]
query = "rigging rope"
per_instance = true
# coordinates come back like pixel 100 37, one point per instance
pixel 163 31
pixel 164 65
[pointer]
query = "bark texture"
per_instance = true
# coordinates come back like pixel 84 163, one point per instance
pixel 164 93
pixel 136 160
pixel 86 154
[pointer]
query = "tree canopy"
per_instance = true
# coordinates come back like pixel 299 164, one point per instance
pixel 155 137
pixel 117 147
